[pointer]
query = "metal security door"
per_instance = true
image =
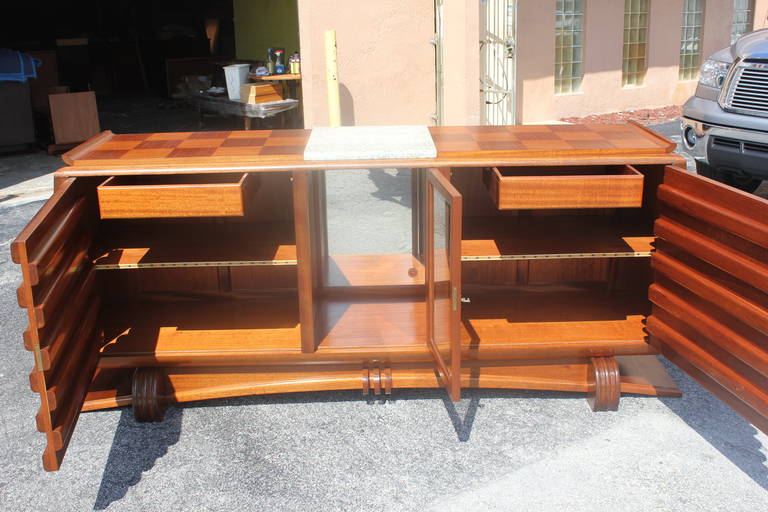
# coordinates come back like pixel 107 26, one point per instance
pixel 498 32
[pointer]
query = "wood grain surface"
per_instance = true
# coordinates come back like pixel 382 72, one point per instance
pixel 59 293
pixel 134 197
pixel 160 245
pixel 556 236
pixel 565 187
pixel 74 116
pixel 639 374
pixel 457 146
pixel 710 297
pixel 211 306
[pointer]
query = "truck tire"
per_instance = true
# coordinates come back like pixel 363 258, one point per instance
pixel 743 182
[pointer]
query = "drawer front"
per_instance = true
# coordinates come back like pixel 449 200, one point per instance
pixel 176 196
pixel 544 188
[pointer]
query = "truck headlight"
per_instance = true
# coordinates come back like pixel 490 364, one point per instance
pixel 713 72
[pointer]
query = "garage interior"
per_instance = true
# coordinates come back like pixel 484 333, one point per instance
pixel 139 59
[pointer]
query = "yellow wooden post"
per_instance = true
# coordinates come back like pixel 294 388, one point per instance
pixel 332 79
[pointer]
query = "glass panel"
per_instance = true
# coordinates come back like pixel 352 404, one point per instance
pixel 690 39
pixel 369 228
pixel 568 51
pixel 743 12
pixel 635 39
pixel 441 233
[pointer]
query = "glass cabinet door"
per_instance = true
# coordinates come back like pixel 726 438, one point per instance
pixel 443 255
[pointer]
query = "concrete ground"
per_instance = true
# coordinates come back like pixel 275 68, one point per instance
pixel 494 450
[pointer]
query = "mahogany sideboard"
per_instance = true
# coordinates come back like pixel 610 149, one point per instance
pixel 172 267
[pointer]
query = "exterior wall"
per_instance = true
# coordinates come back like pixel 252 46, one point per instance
pixel 601 89
pixel 461 62
pixel 261 24
pixel 535 61
pixel 761 14
pixel 386 64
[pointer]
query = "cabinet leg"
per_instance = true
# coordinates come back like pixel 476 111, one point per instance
pixel 377 377
pixel 147 391
pixel 604 384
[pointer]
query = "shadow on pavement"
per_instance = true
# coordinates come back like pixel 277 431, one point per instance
pixel 463 426
pixel 396 188
pixel 135 449
pixel 720 426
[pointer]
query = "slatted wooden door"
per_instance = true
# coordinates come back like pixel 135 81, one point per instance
pixel 710 292
pixel 443 273
pixel 59 293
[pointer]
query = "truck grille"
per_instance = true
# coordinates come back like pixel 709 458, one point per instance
pixel 748 92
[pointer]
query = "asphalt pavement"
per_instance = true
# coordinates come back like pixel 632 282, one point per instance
pixel 494 450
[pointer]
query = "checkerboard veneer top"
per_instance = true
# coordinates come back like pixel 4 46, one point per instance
pixel 287 147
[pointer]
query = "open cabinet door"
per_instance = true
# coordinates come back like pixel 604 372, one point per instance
pixel 710 290
pixel 58 291
pixel 443 277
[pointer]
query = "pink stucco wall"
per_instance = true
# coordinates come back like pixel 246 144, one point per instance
pixel 761 14
pixel 387 65
pixel 461 57
pixel 385 61
pixel 601 89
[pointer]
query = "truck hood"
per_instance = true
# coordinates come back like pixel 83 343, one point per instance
pixel 751 46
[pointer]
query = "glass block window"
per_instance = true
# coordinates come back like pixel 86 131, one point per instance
pixel 743 12
pixel 690 39
pixel 634 62
pixel 569 18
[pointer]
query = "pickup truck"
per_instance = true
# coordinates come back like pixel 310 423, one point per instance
pixel 725 124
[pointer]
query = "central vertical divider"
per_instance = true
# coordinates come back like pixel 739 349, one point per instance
pixel 306 271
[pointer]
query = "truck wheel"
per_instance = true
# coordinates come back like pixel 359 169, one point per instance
pixel 743 182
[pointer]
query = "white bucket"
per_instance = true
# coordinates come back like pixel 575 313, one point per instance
pixel 236 75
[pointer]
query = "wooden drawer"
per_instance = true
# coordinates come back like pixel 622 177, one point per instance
pixel 607 186
pixel 209 195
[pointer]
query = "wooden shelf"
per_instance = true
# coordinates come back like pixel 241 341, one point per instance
pixel 181 331
pixel 372 323
pixel 374 270
pixel 196 244
pixel 262 330
pixel 554 316
pixel 539 322
pixel 527 237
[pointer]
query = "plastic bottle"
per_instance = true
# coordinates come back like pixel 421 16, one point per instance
pixel 279 64
pixel 295 63
pixel 270 62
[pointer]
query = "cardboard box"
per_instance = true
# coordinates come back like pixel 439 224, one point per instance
pixel 261 93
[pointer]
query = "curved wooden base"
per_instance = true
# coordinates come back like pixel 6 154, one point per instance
pixel 147 392
pixel 598 377
pixel 604 384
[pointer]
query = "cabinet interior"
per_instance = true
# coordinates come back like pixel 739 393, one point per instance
pixel 178 290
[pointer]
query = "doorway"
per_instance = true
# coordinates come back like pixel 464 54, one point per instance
pixel 498 28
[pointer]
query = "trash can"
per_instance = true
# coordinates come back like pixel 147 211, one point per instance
pixel 236 75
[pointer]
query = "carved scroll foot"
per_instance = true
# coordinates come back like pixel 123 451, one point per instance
pixel 604 384
pixel 377 377
pixel 147 394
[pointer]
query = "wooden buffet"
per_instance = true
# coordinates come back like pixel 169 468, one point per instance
pixel 172 267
